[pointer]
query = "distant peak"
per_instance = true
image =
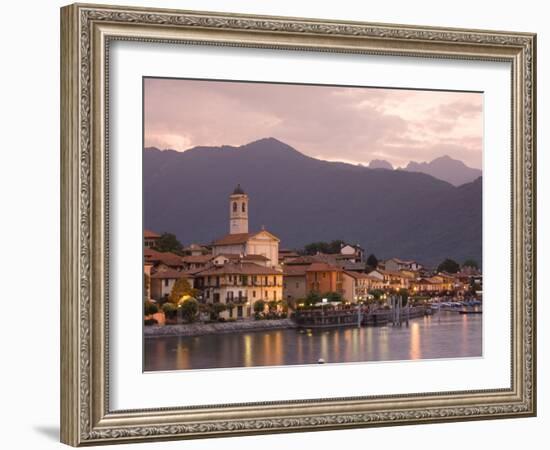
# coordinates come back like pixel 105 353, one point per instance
pixel 267 140
pixel 445 158
pixel 273 147
pixel 380 164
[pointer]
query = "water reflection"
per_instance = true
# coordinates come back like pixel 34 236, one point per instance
pixel 416 352
pixel 448 336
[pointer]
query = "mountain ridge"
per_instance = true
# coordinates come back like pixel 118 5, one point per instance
pixel 303 199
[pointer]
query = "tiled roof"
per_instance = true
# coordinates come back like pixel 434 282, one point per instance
pixel 235 256
pixel 168 274
pixel 234 239
pixel 310 259
pixel 255 258
pixel 244 268
pixel 323 267
pixel 168 258
pixel 401 261
pixel 356 275
pixel 390 273
pixel 197 258
pixel 294 271
pixel 239 238
pixel 150 234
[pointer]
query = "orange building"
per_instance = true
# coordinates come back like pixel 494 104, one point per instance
pixel 323 277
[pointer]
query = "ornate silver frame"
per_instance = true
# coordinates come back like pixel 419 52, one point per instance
pixel 86 31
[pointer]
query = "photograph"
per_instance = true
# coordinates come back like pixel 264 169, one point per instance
pixel 294 224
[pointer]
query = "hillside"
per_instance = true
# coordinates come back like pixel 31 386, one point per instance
pixel 302 199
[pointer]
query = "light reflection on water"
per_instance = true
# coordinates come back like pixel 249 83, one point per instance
pixel 445 335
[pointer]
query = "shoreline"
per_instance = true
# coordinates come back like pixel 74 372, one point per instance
pixel 201 329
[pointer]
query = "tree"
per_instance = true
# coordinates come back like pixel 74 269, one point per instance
pixel 272 305
pixel 449 266
pixel 333 297
pixel 376 293
pixel 181 289
pixel 470 263
pixel 404 296
pixel 259 306
pixel 189 309
pixel 324 247
pixel 372 261
pixel 168 243
pixel 312 298
pixel 217 309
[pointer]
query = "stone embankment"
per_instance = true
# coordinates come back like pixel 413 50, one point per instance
pixel 200 329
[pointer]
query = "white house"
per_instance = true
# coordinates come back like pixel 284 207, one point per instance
pixel 396 264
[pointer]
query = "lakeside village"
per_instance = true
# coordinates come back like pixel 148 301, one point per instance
pixel 245 277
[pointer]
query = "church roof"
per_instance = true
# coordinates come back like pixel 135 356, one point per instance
pixel 240 238
pixel 238 190
pixel 234 239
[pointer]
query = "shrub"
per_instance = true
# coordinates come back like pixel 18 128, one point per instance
pixel 259 306
pixel 170 310
pixel 148 322
pixel 150 308
pixel 217 309
pixel 189 309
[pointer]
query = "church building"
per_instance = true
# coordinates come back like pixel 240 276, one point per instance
pixel 240 241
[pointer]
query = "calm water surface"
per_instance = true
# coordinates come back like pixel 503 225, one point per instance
pixel 444 335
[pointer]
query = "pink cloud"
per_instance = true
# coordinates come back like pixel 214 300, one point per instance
pixel 333 123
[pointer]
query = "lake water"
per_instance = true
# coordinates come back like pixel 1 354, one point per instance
pixel 444 335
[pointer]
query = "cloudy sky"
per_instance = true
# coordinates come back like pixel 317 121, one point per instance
pixel 355 125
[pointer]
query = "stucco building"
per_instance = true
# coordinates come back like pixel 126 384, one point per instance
pixel 323 277
pixel 240 285
pixel 240 241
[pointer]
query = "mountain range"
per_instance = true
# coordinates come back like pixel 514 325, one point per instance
pixel 301 199
pixel 444 168
pixel 447 169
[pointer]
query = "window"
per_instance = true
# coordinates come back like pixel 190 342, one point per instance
pixel 234 206
pixel 265 281
pixel 253 294
pixel 274 295
pixel 166 282
pixel 243 207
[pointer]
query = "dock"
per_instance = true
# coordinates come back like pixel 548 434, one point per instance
pixel 331 318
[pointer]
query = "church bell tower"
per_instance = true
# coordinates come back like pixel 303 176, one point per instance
pixel 238 211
